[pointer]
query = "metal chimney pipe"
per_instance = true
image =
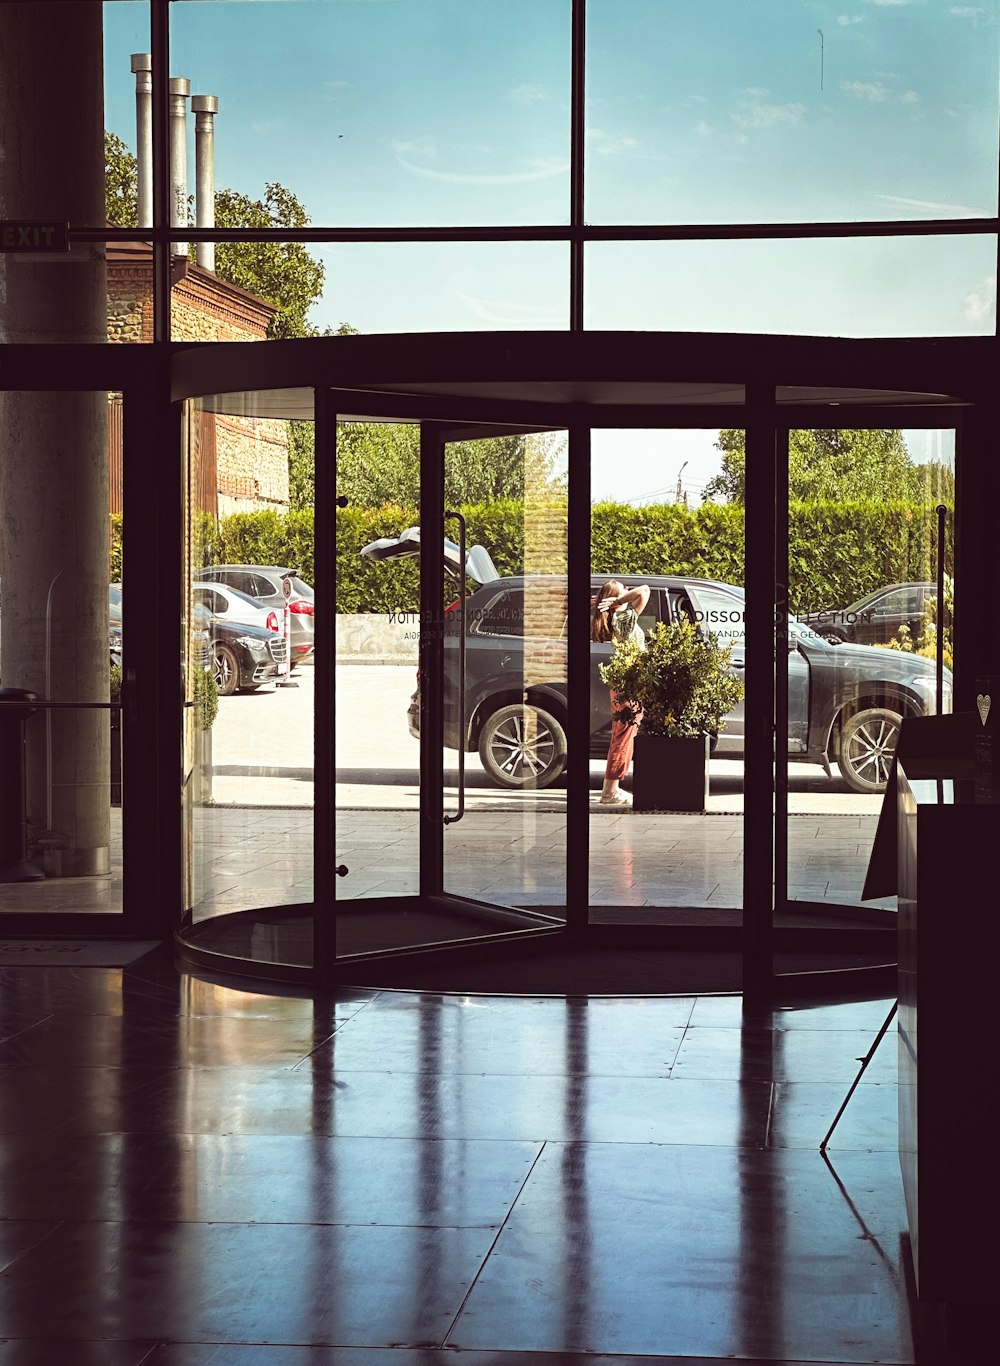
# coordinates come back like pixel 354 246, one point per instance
pixel 142 65
pixel 180 89
pixel 205 108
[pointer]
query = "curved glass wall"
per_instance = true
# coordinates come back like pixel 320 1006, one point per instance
pixel 452 817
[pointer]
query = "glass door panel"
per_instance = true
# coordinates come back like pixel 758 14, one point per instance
pixel 862 542
pixel 505 673
pixel 667 516
pixel 450 684
pixel 248 679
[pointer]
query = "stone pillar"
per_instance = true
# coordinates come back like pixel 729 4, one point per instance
pixel 54 446
pixel 142 66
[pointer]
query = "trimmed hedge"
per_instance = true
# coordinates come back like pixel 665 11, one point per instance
pixel 837 552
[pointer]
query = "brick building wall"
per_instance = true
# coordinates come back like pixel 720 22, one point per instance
pixel 250 454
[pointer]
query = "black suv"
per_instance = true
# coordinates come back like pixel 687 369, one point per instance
pixel 845 701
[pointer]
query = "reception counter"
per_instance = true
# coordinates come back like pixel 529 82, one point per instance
pixel 948 885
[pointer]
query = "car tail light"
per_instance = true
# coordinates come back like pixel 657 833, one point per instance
pixel 303 607
pixel 272 622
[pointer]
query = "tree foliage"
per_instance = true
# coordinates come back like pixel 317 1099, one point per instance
pixel 121 183
pixel 379 463
pixel 825 464
pixel 283 273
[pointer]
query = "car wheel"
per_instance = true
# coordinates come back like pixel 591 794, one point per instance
pixel 226 668
pixel 867 744
pixel 522 746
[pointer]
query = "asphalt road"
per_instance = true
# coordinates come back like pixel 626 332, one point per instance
pixel 262 752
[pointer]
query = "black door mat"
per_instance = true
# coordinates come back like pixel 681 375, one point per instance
pixel 88 953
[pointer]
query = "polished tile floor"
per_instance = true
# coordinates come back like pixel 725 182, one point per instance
pixel 197 1175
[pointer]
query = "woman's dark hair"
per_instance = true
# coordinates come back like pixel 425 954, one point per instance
pixel 600 622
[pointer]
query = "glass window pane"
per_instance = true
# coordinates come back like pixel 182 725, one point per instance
pixel 720 111
pixel 61 644
pixel 866 287
pixel 444 112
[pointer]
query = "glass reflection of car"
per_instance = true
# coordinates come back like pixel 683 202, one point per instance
pixel 265 584
pixel 243 654
pixel 845 703
pixel 876 618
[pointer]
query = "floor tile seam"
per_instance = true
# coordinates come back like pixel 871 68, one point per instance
pixel 489 1251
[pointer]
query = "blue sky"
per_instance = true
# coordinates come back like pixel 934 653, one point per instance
pixel 406 112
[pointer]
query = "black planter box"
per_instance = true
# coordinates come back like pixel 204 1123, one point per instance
pixel 670 773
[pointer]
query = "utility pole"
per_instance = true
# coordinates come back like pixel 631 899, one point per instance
pixel 678 493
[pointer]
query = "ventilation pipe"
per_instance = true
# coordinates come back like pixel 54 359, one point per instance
pixel 180 89
pixel 142 65
pixel 205 108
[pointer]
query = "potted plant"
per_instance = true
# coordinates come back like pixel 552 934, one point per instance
pixel 206 708
pixel 683 686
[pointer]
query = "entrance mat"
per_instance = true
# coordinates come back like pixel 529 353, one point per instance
pixel 87 953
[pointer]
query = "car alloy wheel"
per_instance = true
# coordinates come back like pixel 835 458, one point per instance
pixel 227 670
pixel 867 744
pixel 522 746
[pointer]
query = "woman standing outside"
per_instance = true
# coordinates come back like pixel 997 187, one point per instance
pixel 616 617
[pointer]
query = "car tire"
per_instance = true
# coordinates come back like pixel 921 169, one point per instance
pixel 867 744
pixel 226 668
pixel 522 746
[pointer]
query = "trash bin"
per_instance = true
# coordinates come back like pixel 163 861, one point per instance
pixel 14 864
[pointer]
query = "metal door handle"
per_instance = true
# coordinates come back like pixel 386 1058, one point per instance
pixel 461 812
pixel 341 870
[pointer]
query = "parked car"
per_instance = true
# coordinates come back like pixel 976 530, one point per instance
pixel 265 584
pixel 875 619
pixel 845 702
pixel 243 657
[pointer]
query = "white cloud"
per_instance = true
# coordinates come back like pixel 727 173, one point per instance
pixel 881 4
pixel 980 304
pixel 541 169
pixel 703 129
pixel 338 85
pixel 758 112
pixel 874 91
pixel 881 90
pixel 611 144
pixel 845 20
pixel 519 315
pixel 526 94
pixel 933 208
pixel 420 148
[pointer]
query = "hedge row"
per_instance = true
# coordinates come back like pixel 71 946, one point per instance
pixel 837 551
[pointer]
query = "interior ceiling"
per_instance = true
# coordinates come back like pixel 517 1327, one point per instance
pixel 297 404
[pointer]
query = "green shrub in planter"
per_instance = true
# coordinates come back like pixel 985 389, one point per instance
pixel 683 685
pixel 206 699
pixel 681 682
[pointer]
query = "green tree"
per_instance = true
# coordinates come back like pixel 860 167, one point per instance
pixel 121 183
pixel 827 464
pixel 379 464
pixel 283 273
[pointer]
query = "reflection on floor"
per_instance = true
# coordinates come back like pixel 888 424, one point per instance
pixel 193 1174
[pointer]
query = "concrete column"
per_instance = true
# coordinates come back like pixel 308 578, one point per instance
pixel 54 447
pixel 205 108
pixel 180 89
pixel 142 65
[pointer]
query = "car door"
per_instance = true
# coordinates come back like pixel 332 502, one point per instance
pixel 724 615
pixel 895 608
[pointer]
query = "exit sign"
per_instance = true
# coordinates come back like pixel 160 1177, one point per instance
pixel 36 235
